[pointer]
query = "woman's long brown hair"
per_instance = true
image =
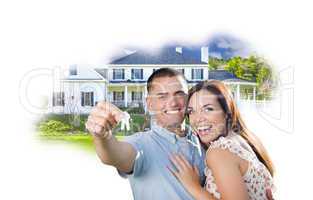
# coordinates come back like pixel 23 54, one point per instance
pixel 234 121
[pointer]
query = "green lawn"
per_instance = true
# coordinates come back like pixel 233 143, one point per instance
pixel 58 128
pixel 82 141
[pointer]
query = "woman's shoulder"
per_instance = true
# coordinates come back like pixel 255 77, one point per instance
pixel 232 146
pixel 225 143
pixel 220 150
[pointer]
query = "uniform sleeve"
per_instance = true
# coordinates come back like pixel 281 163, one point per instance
pixel 137 141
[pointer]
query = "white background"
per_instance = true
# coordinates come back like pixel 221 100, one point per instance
pixel 42 34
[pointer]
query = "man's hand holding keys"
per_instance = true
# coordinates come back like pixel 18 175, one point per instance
pixel 103 118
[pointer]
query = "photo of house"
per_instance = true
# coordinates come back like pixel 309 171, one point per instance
pixel 123 80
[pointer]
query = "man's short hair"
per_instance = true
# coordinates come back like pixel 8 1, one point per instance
pixel 163 72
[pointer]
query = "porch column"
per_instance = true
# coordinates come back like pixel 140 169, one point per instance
pixel 254 93
pixel 238 92
pixel 125 96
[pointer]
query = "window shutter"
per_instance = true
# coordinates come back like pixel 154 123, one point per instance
pixel 141 73
pixel 192 72
pixel 201 73
pixel 123 71
pixel 92 104
pixel 53 99
pixel 62 96
pixel 82 98
pixel 133 76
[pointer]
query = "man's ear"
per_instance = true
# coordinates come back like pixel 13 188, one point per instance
pixel 149 103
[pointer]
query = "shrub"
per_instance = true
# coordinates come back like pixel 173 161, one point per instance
pixel 54 126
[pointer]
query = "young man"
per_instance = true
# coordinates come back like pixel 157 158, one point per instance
pixel 144 157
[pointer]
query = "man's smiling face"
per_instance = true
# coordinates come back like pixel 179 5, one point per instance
pixel 167 100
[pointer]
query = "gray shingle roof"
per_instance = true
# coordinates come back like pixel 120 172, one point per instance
pixel 166 55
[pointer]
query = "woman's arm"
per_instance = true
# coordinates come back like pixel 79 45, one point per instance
pixel 228 177
pixel 225 168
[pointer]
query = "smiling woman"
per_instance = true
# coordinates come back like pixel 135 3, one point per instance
pixel 237 165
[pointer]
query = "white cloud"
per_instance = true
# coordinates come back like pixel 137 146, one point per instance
pixel 215 54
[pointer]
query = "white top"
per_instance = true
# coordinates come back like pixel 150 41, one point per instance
pixel 257 176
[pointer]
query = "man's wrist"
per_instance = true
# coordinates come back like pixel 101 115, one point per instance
pixel 104 136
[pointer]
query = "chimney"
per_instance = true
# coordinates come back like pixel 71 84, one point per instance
pixel 179 50
pixel 205 54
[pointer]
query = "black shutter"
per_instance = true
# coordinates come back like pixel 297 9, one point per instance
pixel 192 72
pixel 113 74
pixel 92 104
pixel 53 99
pixel 201 73
pixel 141 73
pixel 133 74
pixel 123 73
pixel 83 98
pixel 62 96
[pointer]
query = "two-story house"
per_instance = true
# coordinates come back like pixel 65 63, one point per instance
pixel 128 75
pixel 123 80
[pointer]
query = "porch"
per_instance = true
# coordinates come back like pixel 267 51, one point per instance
pixel 127 95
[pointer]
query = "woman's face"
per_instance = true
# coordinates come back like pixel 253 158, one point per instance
pixel 206 116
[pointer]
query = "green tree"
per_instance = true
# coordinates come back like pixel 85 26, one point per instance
pixel 215 63
pixel 234 65
pixel 253 68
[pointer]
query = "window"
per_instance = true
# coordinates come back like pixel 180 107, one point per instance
pixel 137 74
pixel 197 74
pixel 136 96
pixel 118 74
pixel 181 71
pixel 87 99
pixel 118 96
pixel 73 70
pixel 58 99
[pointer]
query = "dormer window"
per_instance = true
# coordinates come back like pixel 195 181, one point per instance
pixel 73 70
pixel 118 74
pixel 137 74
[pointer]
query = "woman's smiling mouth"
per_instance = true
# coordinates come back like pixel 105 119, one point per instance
pixel 204 130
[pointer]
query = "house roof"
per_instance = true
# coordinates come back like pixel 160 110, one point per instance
pixel 167 55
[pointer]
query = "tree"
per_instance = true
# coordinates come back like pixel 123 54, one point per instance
pixel 234 65
pixel 215 63
pixel 253 68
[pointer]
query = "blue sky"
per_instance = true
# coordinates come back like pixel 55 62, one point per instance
pixel 227 46
pixel 220 45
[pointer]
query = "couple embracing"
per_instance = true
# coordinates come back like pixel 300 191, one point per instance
pixel 167 162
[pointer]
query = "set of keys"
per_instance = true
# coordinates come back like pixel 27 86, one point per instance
pixel 125 121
